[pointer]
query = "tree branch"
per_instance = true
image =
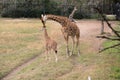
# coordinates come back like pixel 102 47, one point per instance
pixel 105 37
pixel 109 47
pixel 118 31
pixel 109 25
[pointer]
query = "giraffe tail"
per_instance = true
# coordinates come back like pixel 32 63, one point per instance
pixel 56 51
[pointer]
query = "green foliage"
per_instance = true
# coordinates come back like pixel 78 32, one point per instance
pixel 33 8
pixel 22 8
pixel 29 8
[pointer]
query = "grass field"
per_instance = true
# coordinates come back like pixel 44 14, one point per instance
pixel 21 39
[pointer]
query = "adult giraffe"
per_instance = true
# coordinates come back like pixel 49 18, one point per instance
pixel 68 29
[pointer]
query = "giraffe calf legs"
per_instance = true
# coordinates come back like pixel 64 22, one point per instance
pixel 56 58
pixel 67 51
pixel 46 55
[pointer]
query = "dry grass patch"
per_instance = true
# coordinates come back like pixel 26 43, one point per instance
pixel 16 37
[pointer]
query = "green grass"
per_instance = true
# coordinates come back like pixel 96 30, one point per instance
pixel 116 72
pixel 113 60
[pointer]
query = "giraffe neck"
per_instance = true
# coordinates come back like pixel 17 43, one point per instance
pixel 71 15
pixel 46 34
pixel 62 20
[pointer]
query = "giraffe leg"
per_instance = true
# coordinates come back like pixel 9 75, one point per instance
pixel 67 47
pixel 49 53
pixel 46 53
pixel 73 44
pixel 78 46
pixel 66 37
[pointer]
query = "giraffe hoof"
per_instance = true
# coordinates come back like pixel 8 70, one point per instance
pixel 71 53
pixel 56 60
pixel 68 53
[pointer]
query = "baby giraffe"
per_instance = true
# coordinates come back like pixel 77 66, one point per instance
pixel 50 44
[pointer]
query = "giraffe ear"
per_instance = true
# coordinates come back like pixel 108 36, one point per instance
pixel 42 15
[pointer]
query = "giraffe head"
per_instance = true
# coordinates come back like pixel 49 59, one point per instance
pixel 43 18
pixel 43 22
pixel 75 8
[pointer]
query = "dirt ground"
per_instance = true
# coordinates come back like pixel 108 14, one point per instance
pixel 89 29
